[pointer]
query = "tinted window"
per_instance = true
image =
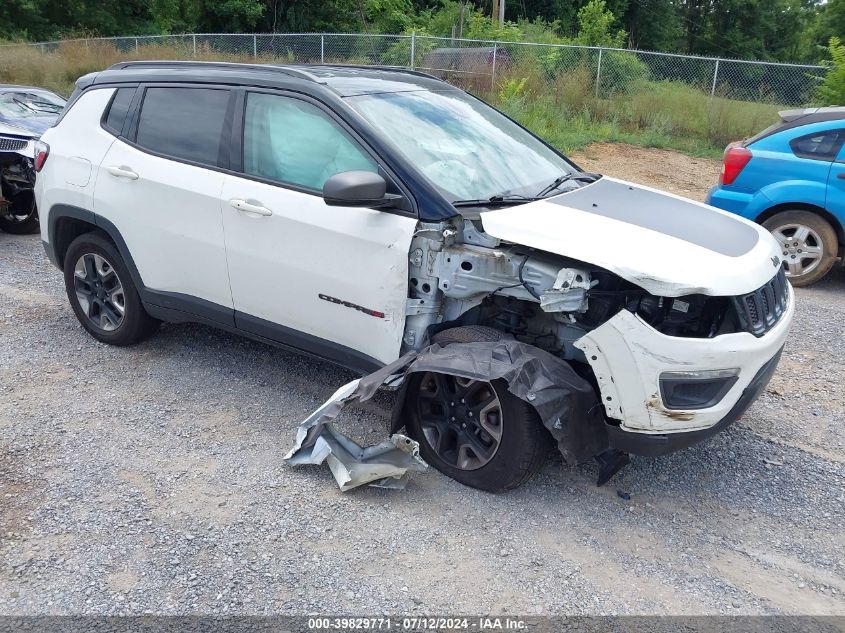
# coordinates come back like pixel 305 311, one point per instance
pixel 118 109
pixel 819 146
pixel 184 123
pixel 296 143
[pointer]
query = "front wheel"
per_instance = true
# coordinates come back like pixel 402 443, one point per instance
pixel 474 431
pixel 808 245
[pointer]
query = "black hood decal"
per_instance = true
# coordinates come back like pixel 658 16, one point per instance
pixel 681 219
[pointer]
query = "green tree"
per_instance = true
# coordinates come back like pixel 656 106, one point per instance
pixel 749 29
pixel 227 16
pixel 172 16
pixel 387 16
pixel 596 26
pixel 653 25
pixel 832 89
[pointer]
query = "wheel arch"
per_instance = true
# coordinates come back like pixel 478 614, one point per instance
pixel 67 222
pixel 64 228
pixel 812 208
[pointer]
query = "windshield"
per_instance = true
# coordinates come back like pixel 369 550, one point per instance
pixel 30 103
pixel 465 147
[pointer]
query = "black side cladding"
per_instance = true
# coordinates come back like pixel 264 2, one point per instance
pixel 566 403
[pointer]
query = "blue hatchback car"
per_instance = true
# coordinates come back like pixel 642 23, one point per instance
pixel 791 178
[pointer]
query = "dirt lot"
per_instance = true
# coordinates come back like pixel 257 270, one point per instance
pixel 149 479
pixel 664 169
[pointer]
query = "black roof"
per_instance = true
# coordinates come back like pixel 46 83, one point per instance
pixel 343 80
pixel 790 119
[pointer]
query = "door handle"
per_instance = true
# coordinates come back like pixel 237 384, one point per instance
pixel 122 171
pixel 841 175
pixel 247 207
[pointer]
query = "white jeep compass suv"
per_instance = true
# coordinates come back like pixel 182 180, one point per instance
pixel 357 214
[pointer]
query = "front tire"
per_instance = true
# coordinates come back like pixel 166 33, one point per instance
pixel 808 245
pixel 102 293
pixel 476 432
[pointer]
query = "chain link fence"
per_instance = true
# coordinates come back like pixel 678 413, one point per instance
pixel 485 65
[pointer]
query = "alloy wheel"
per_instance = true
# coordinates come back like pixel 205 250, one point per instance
pixel 461 419
pixel 99 291
pixel 801 246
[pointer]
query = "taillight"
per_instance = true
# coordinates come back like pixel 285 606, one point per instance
pixel 735 159
pixel 42 151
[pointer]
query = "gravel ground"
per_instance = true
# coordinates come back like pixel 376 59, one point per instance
pixel 149 480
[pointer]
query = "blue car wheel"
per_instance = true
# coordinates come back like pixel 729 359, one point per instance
pixel 808 244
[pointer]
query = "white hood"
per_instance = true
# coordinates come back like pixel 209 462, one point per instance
pixel 668 245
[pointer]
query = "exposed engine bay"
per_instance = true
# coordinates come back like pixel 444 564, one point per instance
pixel 17 200
pixel 25 113
pixel 461 276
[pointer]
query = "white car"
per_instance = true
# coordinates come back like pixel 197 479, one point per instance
pixel 358 214
pixel 25 112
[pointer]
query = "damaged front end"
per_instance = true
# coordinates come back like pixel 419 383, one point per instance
pixel 649 353
pixel 609 367
pixel 25 113
pixel 18 213
pixel 661 364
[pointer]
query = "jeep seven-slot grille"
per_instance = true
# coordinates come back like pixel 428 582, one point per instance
pixel 758 311
pixel 11 144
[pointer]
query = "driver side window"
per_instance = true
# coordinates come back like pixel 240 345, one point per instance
pixel 295 143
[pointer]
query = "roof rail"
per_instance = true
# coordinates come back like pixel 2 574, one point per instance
pixel 299 70
pixel 403 69
pixel 206 65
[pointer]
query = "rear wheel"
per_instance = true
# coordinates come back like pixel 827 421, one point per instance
pixel 808 245
pixel 474 431
pixel 102 294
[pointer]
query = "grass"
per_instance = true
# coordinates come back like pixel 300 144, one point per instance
pixel 562 108
pixel 668 115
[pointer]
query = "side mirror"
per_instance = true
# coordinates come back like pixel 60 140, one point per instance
pixel 357 189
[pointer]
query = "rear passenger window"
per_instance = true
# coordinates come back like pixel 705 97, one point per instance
pixel 118 109
pixel 819 146
pixel 184 123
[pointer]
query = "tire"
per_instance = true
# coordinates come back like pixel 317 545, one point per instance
pixel 523 443
pixel 800 233
pixel 469 334
pixel 21 223
pixel 102 294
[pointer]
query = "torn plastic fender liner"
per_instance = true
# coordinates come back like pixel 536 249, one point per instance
pixel 387 465
pixel 565 402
